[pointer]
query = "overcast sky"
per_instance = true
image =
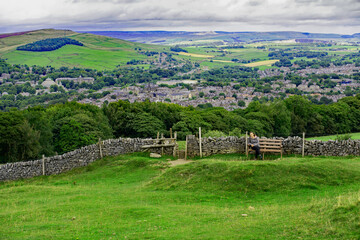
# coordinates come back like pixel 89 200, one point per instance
pixel 326 16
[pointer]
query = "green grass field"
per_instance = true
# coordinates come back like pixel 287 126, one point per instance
pixel 98 52
pixel 219 197
pixel 201 55
pixel 77 56
pixel 354 136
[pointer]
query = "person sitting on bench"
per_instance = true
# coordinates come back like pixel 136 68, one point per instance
pixel 253 143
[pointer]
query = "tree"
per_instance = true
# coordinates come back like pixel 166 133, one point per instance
pixel 214 133
pixel 19 141
pixel 267 123
pixel 241 103
pixel 81 119
pixel 49 44
pixel 236 132
pixel 304 118
pixel 190 123
pixel 145 125
pixel 348 92
pixel 39 121
pixel 325 100
pixel 72 136
pixel 282 119
pixel 53 88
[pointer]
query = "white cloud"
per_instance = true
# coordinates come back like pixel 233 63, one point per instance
pixel 227 15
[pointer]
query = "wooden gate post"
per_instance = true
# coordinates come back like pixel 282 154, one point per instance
pixel 246 145
pixel 303 145
pixel 175 144
pixel 100 149
pixel 43 164
pixel 186 148
pixel 200 144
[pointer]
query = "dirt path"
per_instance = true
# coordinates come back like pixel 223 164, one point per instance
pixel 179 162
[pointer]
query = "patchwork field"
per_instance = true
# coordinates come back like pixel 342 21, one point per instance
pixel 261 63
pixel 195 55
pixel 220 197
pixel 223 61
pixel 101 52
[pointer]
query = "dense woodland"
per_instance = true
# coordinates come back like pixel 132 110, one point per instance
pixel 27 134
pixel 50 44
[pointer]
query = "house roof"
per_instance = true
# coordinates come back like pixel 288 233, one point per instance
pixel 48 82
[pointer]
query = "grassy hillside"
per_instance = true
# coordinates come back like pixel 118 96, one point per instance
pixel 135 197
pixel 98 52
pixel 102 52
pixel 9 44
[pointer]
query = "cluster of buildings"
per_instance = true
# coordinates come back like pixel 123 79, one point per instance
pixel 226 96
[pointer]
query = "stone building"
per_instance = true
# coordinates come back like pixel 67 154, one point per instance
pixel 78 80
pixel 47 83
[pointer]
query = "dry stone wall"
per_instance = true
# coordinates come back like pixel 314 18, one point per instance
pixel 291 145
pixel 77 158
pixel 210 146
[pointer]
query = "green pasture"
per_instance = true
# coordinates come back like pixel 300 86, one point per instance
pixel 219 197
pixel 213 64
pixel 354 136
pixel 98 52
pixel 76 56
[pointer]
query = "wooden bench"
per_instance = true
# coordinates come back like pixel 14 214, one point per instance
pixel 267 146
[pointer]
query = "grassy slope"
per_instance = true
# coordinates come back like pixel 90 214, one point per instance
pixel 99 52
pixel 354 136
pixel 131 197
pixel 9 44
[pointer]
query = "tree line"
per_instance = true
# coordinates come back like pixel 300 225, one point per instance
pixel 49 44
pixel 27 134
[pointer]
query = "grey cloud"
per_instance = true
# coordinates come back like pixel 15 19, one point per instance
pixel 255 2
pixel 105 1
pixel 203 14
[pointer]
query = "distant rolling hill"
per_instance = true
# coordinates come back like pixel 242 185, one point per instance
pixel 105 50
pixel 203 38
pixel 98 52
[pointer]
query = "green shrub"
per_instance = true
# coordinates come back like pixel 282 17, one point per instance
pixel 236 132
pixel 214 133
pixel 343 137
